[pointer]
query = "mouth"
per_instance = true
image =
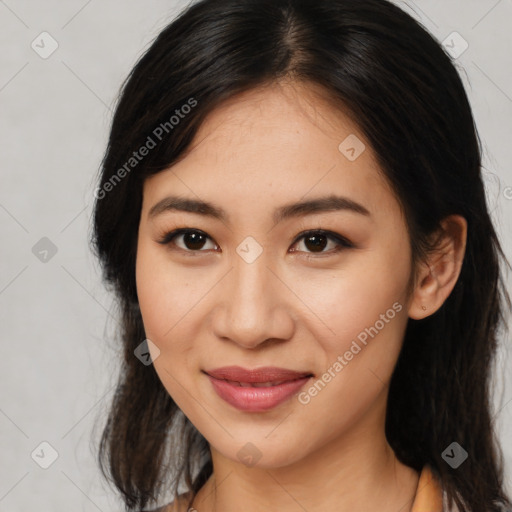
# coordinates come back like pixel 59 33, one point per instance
pixel 266 375
pixel 256 390
pixel 259 384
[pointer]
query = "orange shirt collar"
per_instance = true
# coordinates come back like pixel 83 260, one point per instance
pixel 429 493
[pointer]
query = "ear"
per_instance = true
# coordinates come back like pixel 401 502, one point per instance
pixel 437 276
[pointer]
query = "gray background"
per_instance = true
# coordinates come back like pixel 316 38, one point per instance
pixel 58 329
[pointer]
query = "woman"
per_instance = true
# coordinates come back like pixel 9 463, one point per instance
pixel 292 216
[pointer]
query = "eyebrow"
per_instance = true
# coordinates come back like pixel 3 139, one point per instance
pixel 299 209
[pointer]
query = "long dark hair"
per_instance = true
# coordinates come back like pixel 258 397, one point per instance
pixel 381 67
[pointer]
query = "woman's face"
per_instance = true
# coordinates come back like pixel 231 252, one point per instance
pixel 250 290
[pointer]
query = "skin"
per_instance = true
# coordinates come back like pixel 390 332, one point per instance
pixel 207 307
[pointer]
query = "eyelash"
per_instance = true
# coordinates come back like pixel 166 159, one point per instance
pixel 342 242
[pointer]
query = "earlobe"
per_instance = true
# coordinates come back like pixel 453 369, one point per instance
pixel 438 276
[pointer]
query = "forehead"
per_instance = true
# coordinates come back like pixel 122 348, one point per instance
pixel 288 110
pixel 276 144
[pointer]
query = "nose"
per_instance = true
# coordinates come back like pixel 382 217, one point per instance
pixel 253 305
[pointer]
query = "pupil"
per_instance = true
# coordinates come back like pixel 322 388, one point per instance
pixel 321 244
pixel 192 240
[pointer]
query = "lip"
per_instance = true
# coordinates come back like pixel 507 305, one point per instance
pixel 263 374
pixel 225 382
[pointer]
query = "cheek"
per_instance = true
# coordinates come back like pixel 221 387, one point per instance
pixel 369 292
pixel 157 305
pixel 171 300
pixel 157 283
pixel 368 317
pixel 166 317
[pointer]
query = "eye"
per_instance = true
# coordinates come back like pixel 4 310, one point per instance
pixel 316 240
pixel 192 239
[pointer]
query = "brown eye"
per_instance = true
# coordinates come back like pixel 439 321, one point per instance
pixel 316 241
pixel 191 240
